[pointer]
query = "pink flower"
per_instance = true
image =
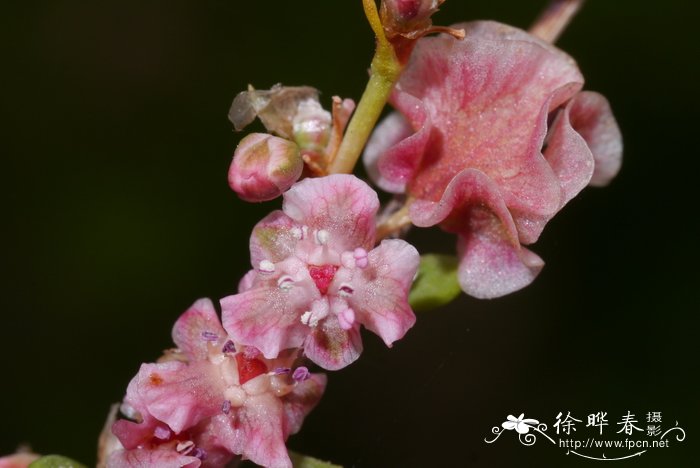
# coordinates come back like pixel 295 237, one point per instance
pixel 316 278
pixel 493 138
pixel 213 399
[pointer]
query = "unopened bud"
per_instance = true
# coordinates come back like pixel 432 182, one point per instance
pixel 312 126
pixel 264 166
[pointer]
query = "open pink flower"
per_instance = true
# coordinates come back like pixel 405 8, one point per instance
pixel 493 138
pixel 316 278
pixel 211 401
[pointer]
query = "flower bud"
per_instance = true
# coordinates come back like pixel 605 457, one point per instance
pixel 406 17
pixel 264 166
pixel 312 126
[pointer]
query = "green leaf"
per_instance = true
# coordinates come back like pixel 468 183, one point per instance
pixel 303 461
pixel 436 284
pixel 56 461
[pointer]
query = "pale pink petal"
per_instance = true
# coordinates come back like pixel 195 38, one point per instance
pixel 145 458
pixel 272 239
pixel 255 431
pixel 179 394
pixel 331 347
pixel 18 460
pixel 380 294
pixel 492 262
pixel 198 329
pixel 268 317
pixel 340 204
pixel 397 147
pixel 132 434
pixel 247 281
pixel 592 117
pixel 485 97
pixel 301 401
pixel 491 266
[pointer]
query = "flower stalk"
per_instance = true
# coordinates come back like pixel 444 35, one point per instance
pixel 384 72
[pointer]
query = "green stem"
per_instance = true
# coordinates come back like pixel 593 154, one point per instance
pixel 384 73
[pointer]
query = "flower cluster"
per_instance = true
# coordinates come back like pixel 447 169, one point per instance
pixel 491 138
pixel 239 388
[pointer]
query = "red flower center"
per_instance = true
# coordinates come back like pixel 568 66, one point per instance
pixel 322 276
pixel 249 368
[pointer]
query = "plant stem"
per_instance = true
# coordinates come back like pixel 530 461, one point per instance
pixel 384 73
pixel 394 223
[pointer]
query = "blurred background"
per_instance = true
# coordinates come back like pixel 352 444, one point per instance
pixel 115 151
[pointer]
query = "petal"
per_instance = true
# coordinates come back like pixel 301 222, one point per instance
pixel 180 395
pixel 132 434
pixel 394 150
pixel 492 263
pixel 381 290
pixel 189 329
pixel 301 401
pixel 522 428
pixel 508 425
pixel 341 204
pixel 487 97
pixel 331 347
pixel 268 317
pixel 145 458
pixel 247 281
pixel 272 239
pixel 255 431
pixel 592 117
pixel 491 266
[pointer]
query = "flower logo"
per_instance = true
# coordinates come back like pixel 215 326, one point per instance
pixel 522 426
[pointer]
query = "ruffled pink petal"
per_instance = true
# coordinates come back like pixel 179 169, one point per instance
pixel 331 347
pixel 340 204
pixel 485 96
pixel 272 239
pixel 298 404
pixel 592 117
pixel 179 394
pixel 395 149
pixel 145 458
pixel 255 431
pixel 380 296
pixel 268 317
pixel 197 329
pixel 492 262
pixel 491 266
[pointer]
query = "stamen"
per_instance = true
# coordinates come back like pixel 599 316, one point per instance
pixel 226 407
pixel 322 236
pixel 305 317
pixel 281 370
pixel 297 233
pixel 266 266
pixel 229 347
pixel 199 453
pixel 184 447
pixel 285 283
pixel 345 290
pixel 360 255
pixel 301 374
pixel 161 433
pixel 346 319
pixel 209 336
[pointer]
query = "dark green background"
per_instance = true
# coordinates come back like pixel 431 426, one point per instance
pixel 117 216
